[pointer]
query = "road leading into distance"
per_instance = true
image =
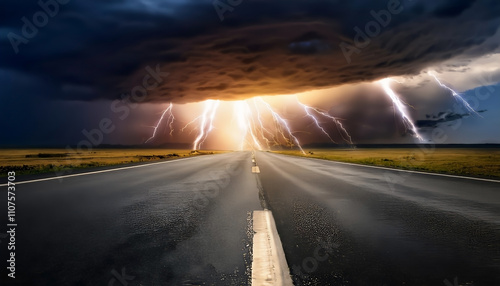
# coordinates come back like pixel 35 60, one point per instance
pixel 182 222
pixel 188 222
pixel 345 224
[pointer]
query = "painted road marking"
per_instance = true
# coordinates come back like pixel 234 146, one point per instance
pixel 399 170
pixel 96 172
pixel 255 169
pixel 269 265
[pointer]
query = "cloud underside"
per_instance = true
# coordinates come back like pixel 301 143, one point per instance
pixel 434 121
pixel 259 48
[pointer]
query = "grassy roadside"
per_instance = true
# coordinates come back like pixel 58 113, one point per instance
pixel 34 161
pixel 482 163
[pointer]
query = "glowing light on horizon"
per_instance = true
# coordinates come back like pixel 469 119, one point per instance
pixel 206 124
pixel 262 128
pixel 245 123
pixel 256 133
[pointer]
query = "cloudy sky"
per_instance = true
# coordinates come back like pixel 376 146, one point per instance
pixel 66 65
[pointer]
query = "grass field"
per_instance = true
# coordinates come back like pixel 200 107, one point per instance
pixel 31 161
pixel 483 163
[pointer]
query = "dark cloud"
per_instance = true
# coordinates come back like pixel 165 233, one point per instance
pixel 432 121
pixel 452 9
pixel 100 49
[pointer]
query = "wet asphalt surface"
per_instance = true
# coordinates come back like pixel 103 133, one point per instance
pixel 354 225
pixel 188 222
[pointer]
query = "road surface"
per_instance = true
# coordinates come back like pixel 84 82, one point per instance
pixel 184 222
pixel 188 222
pixel 344 224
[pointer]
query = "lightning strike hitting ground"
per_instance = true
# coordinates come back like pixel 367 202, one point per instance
pixel 400 107
pixel 282 122
pixel 262 128
pixel 343 132
pixel 455 94
pixel 170 121
pixel 246 123
pixel 206 124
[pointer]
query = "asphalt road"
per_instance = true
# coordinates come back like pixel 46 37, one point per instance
pixel 187 222
pixel 344 224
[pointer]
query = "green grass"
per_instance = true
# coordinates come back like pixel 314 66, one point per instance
pixel 33 161
pixel 483 163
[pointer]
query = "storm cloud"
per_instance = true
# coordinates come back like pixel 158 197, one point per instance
pixel 432 121
pixel 92 50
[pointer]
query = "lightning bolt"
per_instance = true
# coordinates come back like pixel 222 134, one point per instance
pixel 278 127
pixel 262 128
pixel 343 132
pixel 455 94
pixel 282 122
pixel 241 120
pixel 206 124
pixel 170 121
pixel 189 123
pixel 398 104
pixel 316 122
pixel 252 126
pixel 245 122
